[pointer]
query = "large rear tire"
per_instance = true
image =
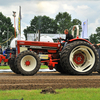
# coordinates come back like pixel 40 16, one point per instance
pixel 79 57
pixel 28 62
pixel 59 68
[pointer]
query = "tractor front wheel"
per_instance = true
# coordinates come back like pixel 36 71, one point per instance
pixel 28 62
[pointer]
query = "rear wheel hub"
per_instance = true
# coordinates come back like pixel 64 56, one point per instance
pixel 78 58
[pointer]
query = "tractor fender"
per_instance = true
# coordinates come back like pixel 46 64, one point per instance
pixel 79 39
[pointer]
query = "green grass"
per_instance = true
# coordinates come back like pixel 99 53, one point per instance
pixel 44 67
pixel 4 67
pixel 62 94
pixel 7 67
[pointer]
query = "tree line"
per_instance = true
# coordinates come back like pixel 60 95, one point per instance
pixel 95 38
pixel 46 25
pixel 6 29
pixel 54 26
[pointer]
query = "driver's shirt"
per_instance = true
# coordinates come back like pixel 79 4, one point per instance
pixel 68 37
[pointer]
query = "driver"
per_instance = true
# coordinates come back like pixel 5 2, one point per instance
pixel 68 36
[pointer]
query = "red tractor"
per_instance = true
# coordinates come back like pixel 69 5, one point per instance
pixel 79 57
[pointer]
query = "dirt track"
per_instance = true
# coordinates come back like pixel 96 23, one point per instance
pixel 42 80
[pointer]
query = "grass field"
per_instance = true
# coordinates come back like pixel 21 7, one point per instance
pixel 62 94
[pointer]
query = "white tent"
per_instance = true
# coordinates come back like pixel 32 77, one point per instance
pixel 12 43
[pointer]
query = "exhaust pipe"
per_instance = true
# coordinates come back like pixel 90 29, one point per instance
pixel 38 35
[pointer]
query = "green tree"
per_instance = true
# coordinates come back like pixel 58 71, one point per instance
pixel 98 33
pixel 63 21
pixel 93 38
pixel 42 23
pixel 5 27
pixel 47 25
pixel 28 30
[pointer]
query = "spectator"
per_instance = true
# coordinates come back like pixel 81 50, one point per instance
pixel 7 56
pixel 0 53
pixel 0 50
pixel 6 53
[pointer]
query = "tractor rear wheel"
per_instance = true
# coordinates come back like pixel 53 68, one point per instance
pixel 79 57
pixel 28 62
pixel 59 68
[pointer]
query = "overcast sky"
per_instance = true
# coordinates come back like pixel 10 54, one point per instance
pixel 80 9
